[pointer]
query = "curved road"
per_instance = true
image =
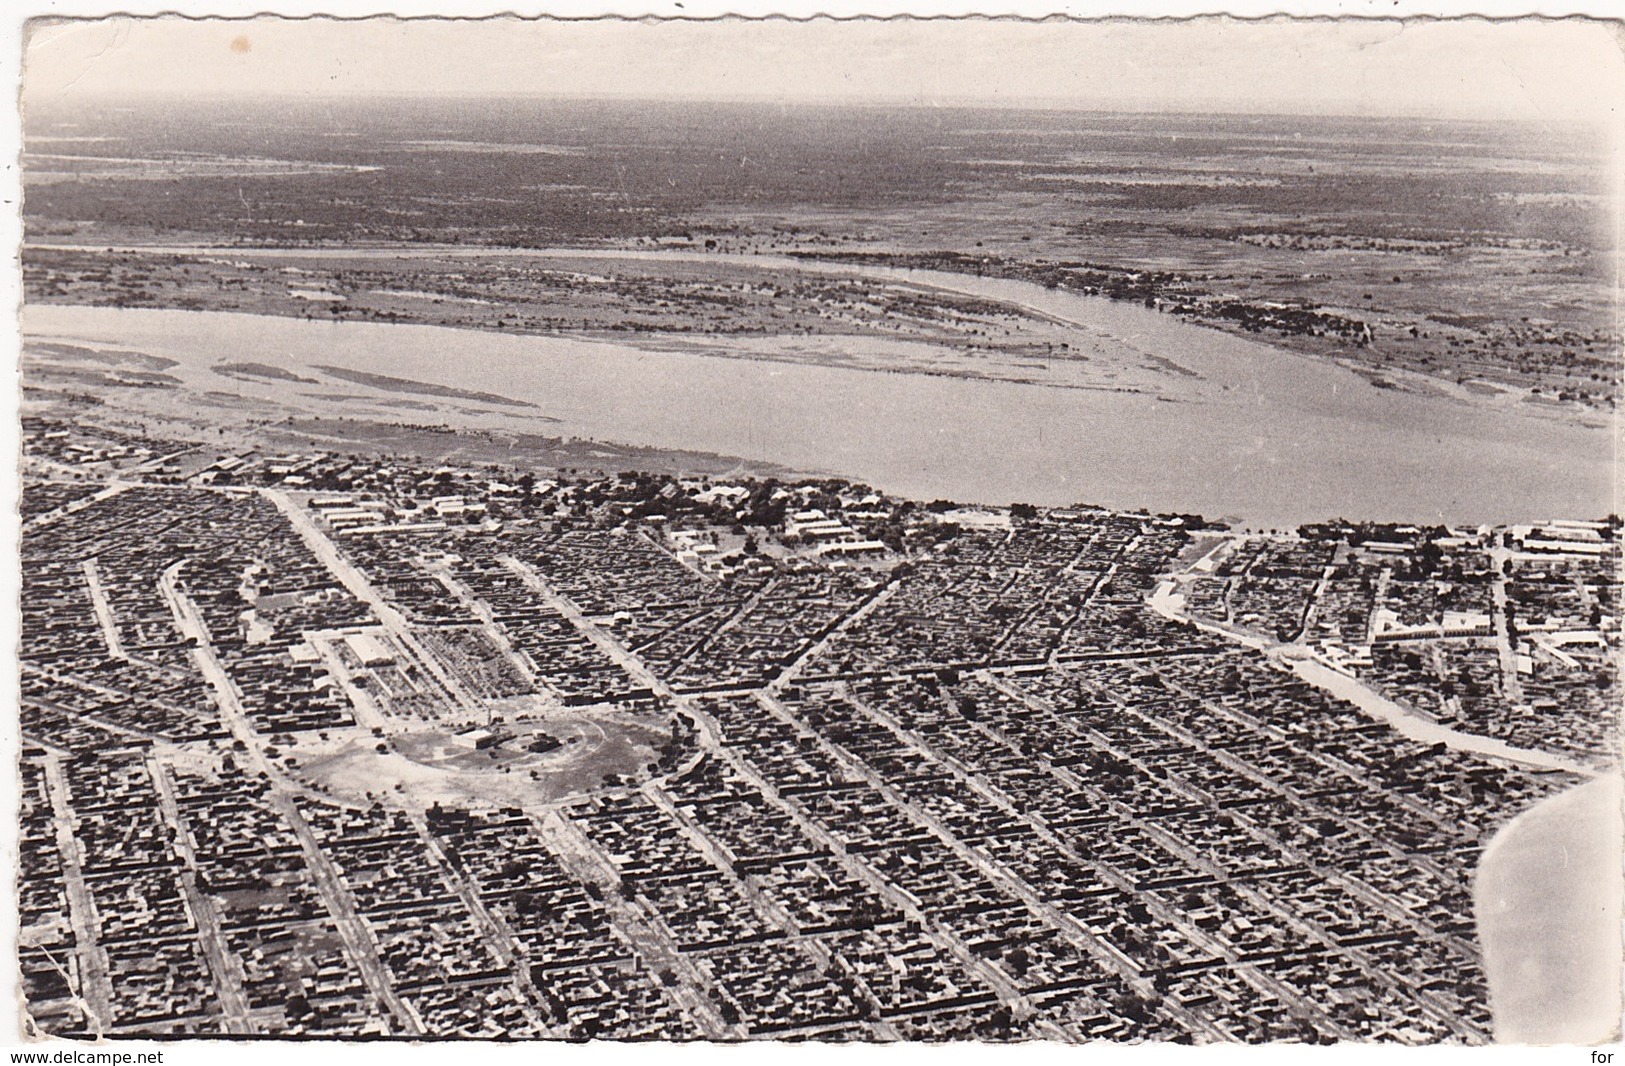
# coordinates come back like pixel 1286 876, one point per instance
pixel 1170 605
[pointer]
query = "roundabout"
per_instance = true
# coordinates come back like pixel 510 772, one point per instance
pixel 504 747
pixel 533 763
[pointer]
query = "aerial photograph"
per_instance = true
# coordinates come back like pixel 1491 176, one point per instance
pixel 922 531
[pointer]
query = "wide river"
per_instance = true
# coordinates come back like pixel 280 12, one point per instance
pixel 1247 431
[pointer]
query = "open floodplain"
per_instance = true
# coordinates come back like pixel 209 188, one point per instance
pixel 519 569
pixel 1161 414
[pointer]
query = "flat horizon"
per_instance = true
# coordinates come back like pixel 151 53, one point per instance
pixel 1528 70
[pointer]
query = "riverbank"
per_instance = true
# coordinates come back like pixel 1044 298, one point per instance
pixel 1233 429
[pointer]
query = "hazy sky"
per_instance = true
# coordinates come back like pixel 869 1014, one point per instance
pixel 1536 70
